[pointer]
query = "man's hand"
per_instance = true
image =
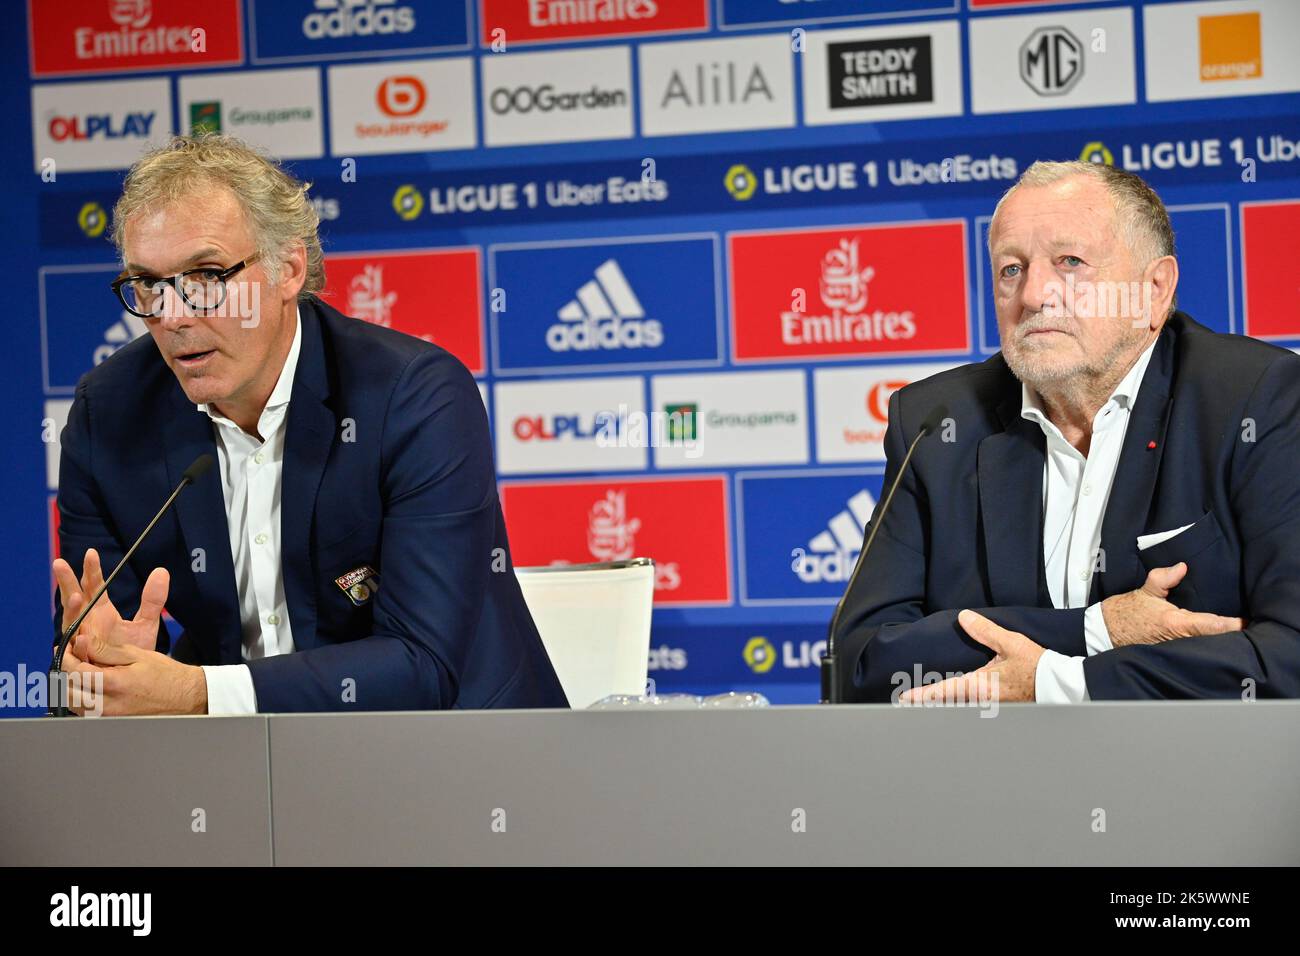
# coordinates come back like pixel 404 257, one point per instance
pixel 104 620
pixel 132 681
pixel 1145 616
pixel 1008 678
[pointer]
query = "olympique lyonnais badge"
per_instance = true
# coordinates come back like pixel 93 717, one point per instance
pixel 359 584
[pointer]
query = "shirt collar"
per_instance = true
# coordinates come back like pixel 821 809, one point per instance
pixel 283 385
pixel 1125 394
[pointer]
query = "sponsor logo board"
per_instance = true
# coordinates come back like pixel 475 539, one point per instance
pixel 849 291
pixel 680 523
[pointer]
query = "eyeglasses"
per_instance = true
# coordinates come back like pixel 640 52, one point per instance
pixel 202 289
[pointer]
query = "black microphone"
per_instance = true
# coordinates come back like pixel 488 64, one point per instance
pixel 59 704
pixel 830 666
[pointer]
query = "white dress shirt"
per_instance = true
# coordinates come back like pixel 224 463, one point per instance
pixel 1076 490
pixel 251 473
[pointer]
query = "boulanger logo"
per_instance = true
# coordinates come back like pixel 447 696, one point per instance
pixel 408 203
pixel 400 95
pixel 759 654
pixel 740 181
pixel 357 18
pixel 92 219
pixel 1051 61
pixel 606 314
pixel 832 553
pixel 1230 46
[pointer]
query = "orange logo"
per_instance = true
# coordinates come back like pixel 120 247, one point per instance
pixel 1230 47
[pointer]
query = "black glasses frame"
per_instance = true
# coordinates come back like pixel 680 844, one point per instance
pixel 219 276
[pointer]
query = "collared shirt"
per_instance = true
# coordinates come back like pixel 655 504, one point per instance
pixel 1076 490
pixel 251 482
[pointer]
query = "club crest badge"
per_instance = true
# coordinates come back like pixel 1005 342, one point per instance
pixel 359 584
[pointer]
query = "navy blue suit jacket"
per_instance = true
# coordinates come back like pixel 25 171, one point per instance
pixel 1213 441
pixel 387 463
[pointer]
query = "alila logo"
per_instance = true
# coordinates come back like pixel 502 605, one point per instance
pixel 123 332
pixel 606 314
pixel 357 18
pixel 831 554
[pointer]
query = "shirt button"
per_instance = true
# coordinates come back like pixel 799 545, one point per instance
pixel 1083 576
pixel 273 619
pixel 258 458
pixel 1087 489
pixel 260 539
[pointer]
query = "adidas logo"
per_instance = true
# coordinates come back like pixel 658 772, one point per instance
pixel 606 314
pixel 832 554
pixel 127 329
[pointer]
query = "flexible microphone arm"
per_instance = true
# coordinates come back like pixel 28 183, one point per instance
pixel 58 697
pixel 830 664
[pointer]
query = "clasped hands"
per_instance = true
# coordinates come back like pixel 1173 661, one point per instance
pixel 119 671
pixel 1141 616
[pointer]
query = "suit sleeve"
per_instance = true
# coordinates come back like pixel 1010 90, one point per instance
pixel 84 521
pixel 439 494
pixel 1264 659
pixel 887 637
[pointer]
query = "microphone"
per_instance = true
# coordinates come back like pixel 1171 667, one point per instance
pixel 830 666
pixel 58 708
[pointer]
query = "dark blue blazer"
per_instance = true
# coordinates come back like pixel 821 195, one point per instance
pixel 387 463
pixel 1213 441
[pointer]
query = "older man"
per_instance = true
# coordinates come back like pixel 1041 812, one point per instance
pixel 1111 508
pixel 349 550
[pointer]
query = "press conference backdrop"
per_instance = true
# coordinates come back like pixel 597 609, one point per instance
pixel 688 247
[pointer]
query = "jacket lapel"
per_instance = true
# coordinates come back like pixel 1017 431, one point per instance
pixel 1133 488
pixel 310 433
pixel 201 511
pixel 1010 470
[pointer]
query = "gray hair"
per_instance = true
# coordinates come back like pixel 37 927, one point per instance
pixel 274 201
pixel 1142 216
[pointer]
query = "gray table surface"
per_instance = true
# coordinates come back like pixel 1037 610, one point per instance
pixel 1098 784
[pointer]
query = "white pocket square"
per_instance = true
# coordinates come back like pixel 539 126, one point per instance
pixel 1149 540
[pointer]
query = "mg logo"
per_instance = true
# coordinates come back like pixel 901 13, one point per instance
pixel 1051 61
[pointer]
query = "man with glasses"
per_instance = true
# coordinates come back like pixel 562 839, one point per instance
pixel 351 553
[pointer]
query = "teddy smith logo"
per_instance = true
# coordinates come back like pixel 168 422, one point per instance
pixel 844 289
